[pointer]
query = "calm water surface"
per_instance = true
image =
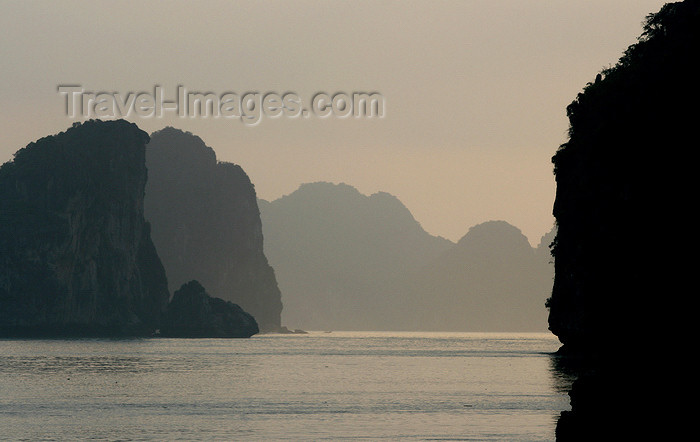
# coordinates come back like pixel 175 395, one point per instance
pixel 320 386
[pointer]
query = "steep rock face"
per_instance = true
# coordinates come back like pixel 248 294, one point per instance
pixel 619 299
pixel 206 224
pixel 192 313
pixel 338 255
pixel 621 176
pixel 76 257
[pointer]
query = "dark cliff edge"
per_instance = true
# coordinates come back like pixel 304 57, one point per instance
pixel 192 313
pixel 206 225
pixel 623 177
pixel 76 257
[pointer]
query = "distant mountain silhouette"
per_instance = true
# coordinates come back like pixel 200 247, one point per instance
pixel 336 251
pixel 491 280
pixel 543 249
pixel 349 261
pixel 206 224
pixel 76 257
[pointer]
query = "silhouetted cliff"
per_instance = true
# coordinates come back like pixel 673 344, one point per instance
pixel 206 224
pixel 76 257
pixel 192 313
pixel 623 178
pixel 618 181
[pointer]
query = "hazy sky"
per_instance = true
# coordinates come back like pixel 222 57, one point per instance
pixel 475 91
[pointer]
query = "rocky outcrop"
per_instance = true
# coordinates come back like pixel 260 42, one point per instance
pixel 206 225
pixel 192 313
pixel 619 178
pixel 76 256
pixel 624 175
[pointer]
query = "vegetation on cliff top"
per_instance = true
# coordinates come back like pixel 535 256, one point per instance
pixel 619 179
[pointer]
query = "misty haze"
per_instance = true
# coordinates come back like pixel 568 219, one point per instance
pixel 326 220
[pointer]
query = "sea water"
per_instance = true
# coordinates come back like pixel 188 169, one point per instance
pixel 316 386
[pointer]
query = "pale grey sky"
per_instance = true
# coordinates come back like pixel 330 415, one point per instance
pixel 475 90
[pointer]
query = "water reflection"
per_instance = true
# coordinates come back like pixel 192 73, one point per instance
pixel 70 364
pixel 595 390
pixel 564 372
pixel 365 386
